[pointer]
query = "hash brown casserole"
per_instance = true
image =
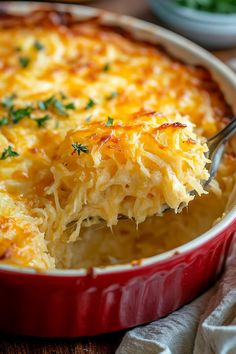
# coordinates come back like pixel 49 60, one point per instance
pixel 95 124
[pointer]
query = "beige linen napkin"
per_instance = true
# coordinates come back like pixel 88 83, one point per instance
pixel 205 326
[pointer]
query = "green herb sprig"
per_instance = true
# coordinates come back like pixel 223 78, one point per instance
pixel 90 104
pixel 88 118
pixel 106 67
pixel 79 148
pixel 24 62
pixel 3 121
pixel 42 120
pixel 38 45
pixel 109 122
pixel 8 152
pixel 9 101
pixel 112 95
pixel 54 103
pixel 16 115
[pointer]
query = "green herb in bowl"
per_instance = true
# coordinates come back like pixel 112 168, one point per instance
pixel 221 6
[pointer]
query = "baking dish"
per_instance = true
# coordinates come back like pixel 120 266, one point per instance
pixel 78 302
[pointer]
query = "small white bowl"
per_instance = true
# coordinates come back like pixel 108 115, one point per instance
pixel 211 30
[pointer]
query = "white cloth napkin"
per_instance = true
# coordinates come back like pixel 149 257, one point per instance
pixel 205 326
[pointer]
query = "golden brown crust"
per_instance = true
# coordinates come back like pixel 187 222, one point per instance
pixel 69 24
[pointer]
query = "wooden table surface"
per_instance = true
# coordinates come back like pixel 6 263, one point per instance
pixel 106 344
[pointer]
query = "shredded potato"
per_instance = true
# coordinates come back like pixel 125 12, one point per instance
pixel 94 124
pixel 134 168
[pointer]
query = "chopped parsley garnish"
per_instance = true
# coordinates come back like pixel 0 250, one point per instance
pixel 14 115
pixel 90 104
pixel 41 121
pixel 88 118
pixel 112 95
pixel 8 101
pixel 53 102
pixel 38 45
pixel 109 122
pixel 17 115
pixel 70 106
pixel 8 152
pixel 80 148
pixel 59 106
pixel 106 67
pixel 43 105
pixel 3 121
pixel 63 96
pixel 24 62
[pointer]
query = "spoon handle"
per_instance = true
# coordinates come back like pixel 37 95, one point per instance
pixel 216 146
pixel 222 137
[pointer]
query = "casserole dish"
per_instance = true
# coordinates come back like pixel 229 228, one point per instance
pixel 71 303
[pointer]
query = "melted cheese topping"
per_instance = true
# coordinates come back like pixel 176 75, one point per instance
pixel 68 78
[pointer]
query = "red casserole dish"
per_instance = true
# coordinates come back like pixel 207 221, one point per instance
pixel 75 303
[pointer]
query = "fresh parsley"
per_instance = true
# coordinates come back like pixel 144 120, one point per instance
pixel 106 67
pixel 43 105
pixel 63 96
pixel 14 115
pixel 88 118
pixel 112 95
pixel 17 115
pixel 24 62
pixel 3 121
pixel 53 102
pixel 8 101
pixel 60 107
pixel 69 106
pixel 90 104
pixel 42 120
pixel 38 45
pixel 79 148
pixel 109 122
pixel 8 152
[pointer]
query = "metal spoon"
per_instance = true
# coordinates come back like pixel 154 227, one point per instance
pixel 216 146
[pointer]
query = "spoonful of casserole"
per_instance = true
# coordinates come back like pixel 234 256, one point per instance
pixel 134 168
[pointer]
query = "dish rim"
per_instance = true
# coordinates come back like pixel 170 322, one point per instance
pixel 169 37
